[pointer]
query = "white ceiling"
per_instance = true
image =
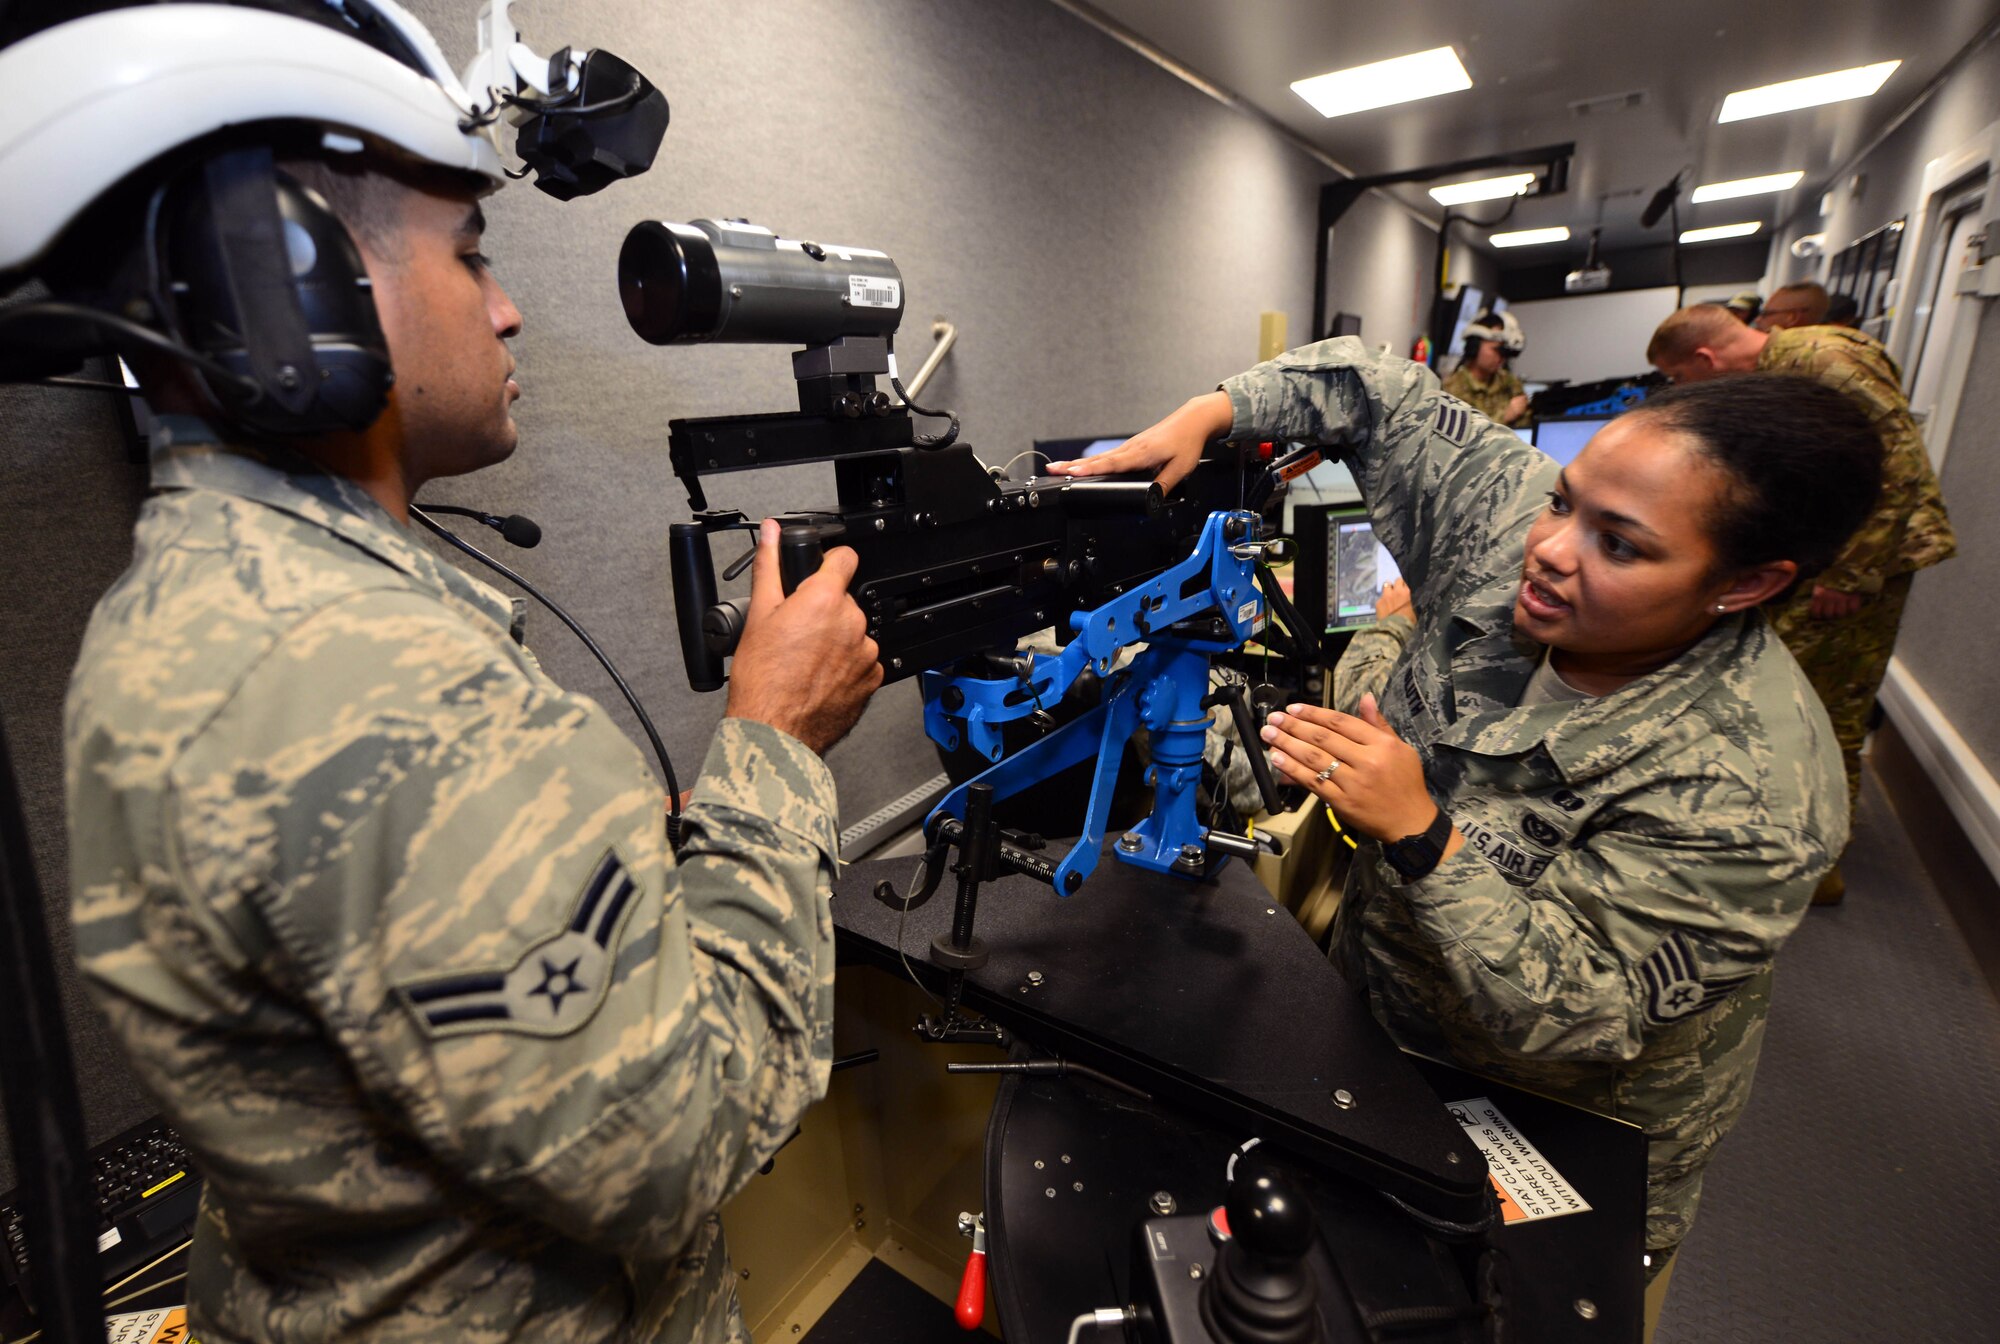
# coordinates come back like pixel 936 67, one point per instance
pixel 1530 59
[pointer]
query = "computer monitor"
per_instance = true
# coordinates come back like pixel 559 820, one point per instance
pixel 1527 433
pixel 1563 439
pixel 1341 568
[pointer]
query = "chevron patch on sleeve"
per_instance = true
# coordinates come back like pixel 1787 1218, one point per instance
pixel 1675 986
pixel 553 989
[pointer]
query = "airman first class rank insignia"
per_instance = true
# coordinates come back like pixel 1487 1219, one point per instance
pixel 556 985
pixel 1675 986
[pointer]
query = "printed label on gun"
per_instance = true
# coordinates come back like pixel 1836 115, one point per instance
pixel 874 291
pixel 1530 1189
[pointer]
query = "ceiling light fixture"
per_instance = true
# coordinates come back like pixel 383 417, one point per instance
pixel 1400 79
pixel 1485 189
pixel 1720 231
pixel 1529 237
pixel 1746 186
pixel 1836 87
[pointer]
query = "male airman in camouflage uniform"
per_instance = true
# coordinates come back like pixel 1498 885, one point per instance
pixel 1842 627
pixel 1632 862
pixel 388 920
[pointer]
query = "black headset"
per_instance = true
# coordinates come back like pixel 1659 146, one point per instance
pixel 254 271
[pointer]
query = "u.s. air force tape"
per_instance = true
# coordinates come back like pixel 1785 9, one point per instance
pixel 553 988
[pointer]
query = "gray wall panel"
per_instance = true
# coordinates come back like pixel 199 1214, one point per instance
pixel 1949 632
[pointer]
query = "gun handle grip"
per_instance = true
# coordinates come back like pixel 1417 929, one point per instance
pixel 799 554
pixel 693 568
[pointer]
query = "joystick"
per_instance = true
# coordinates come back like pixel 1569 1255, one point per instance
pixel 1262 1290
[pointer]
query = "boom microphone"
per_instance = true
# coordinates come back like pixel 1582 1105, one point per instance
pixel 516 530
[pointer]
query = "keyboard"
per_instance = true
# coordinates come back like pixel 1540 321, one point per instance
pixel 147 1198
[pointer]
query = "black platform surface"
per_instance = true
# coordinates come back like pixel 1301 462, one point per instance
pixel 1071 1167
pixel 883 1307
pixel 1207 995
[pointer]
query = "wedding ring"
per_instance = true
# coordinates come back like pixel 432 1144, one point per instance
pixel 1327 773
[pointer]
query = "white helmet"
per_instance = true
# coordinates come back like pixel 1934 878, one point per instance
pixel 147 98
pixel 1500 328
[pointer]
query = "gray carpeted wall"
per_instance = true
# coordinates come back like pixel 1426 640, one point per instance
pixel 1103 235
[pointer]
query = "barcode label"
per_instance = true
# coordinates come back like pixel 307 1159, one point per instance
pixel 874 291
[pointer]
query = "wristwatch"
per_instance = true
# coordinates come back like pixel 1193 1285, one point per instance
pixel 1415 855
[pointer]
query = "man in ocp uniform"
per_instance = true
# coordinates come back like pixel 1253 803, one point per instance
pixel 1842 627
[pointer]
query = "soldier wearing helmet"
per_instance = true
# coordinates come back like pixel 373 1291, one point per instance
pixel 1482 379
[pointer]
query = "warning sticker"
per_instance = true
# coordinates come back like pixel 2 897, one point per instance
pixel 165 1326
pixel 1530 1189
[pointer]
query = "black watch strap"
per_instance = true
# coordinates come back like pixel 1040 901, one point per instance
pixel 1415 855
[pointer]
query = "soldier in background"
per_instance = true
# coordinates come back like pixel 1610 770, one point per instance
pixel 1482 379
pixel 1598 790
pixel 1842 627
pixel 388 921
pixel 1799 305
pixel 1745 306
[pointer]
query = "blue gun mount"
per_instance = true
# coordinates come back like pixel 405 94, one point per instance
pixel 1206 604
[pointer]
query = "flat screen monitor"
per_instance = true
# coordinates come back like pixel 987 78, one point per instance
pixel 1527 433
pixel 1341 568
pixel 1564 439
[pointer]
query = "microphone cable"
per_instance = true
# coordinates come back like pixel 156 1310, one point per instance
pixel 645 719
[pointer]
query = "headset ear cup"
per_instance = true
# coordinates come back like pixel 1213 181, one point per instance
pixel 337 297
pixel 261 276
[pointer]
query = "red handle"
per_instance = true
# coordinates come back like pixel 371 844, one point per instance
pixel 972 1292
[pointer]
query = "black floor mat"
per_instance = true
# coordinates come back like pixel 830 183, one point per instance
pixel 883 1307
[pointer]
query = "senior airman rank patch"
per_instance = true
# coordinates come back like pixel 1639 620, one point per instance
pixel 1675 986
pixel 556 985
pixel 1454 421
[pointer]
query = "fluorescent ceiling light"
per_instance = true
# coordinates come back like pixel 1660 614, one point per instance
pixel 1810 92
pixel 1720 231
pixel 1486 189
pixel 1746 186
pixel 1529 237
pixel 1400 79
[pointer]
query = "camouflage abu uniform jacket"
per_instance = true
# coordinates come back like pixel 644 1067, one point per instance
pixel 1488 398
pixel 387 921
pixel 1634 861
pixel 1908 530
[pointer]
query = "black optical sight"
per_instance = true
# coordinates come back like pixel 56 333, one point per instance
pixel 738 283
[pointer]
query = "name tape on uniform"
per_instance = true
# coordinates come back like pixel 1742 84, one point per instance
pixel 1530 1189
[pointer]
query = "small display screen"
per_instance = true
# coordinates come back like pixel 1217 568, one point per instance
pixel 1564 439
pixel 1358 568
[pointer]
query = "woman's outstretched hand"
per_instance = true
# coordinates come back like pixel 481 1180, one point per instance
pixel 1170 448
pixel 1377 780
